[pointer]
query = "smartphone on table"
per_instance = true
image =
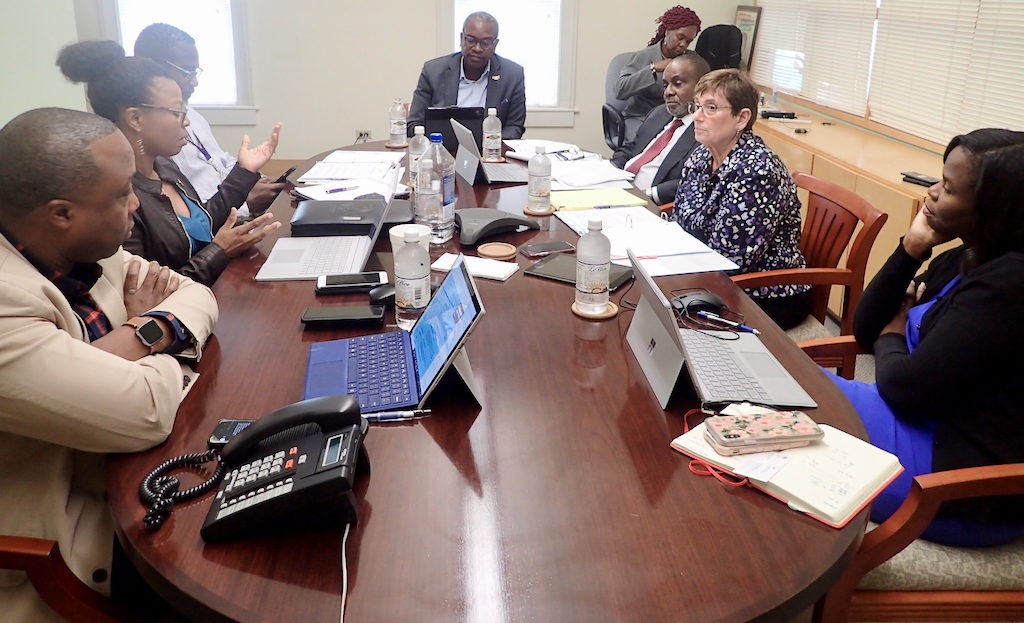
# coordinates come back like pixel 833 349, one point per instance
pixel 284 176
pixel 343 315
pixel 350 282
pixel 546 248
pixel 777 430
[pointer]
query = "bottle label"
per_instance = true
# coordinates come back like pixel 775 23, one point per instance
pixel 492 146
pixel 540 185
pixel 592 278
pixel 412 293
pixel 448 189
pixel 398 127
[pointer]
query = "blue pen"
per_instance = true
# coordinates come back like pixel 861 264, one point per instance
pixel 728 323
pixel 338 190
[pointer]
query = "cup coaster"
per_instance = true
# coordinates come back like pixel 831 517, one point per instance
pixel 390 146
pixel 496 250
pixel 610 312
pixel 502 159
pixel 547 212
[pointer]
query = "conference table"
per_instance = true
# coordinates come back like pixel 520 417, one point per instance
pixel 557 498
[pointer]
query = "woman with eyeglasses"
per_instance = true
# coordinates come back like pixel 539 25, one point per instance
pixel 172 225
pixel 737 196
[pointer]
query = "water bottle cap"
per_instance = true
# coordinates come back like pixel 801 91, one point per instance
pixel 418 130
pixel 541 149
pixel 397 100
pixel 412 236
pixel 492 112
pixel 436 137
pixel 595 224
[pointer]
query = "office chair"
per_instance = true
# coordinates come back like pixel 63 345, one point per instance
pixel 833 214
pixel 611 111
pixel 57 585
pixel 721 46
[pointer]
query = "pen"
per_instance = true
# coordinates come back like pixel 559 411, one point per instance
pixel 338 190
pixel 728 323
pixel 396 416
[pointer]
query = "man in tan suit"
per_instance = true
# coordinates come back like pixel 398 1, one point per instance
pixel 91 339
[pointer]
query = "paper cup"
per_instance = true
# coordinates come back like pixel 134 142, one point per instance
pixel 397 234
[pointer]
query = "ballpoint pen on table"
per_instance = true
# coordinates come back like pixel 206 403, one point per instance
pixel 729 323
pixel 397 416
pixel 338 190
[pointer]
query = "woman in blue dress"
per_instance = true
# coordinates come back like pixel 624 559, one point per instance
pixel 948 342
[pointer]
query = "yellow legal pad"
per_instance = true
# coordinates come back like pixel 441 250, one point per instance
pixel 595 198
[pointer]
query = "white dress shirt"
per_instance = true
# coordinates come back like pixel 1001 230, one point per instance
pixel 473 93
pixel 645 176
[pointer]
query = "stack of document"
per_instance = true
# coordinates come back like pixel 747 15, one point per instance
pixel 478 266
pixel 600 199
pixel 662 247
pixel 349 174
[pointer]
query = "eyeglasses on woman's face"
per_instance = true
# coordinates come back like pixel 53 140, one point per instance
pixel 179 114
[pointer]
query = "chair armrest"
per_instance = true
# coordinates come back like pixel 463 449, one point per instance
pixel 666 208
pixel 796 276
pixel 927 492
pixel 839 346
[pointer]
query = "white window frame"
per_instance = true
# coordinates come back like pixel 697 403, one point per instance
pixel 562 115
pixel 97 19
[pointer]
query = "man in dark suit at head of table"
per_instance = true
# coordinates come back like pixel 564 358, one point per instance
pixel 664 140
pixel 474 77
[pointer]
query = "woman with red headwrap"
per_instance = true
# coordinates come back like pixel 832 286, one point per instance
pixel 640 80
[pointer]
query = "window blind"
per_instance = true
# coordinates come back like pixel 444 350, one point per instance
pixel 817 49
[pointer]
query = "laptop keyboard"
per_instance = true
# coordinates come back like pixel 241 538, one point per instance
pixel 328 256
pixel 713 361
pixel 377 374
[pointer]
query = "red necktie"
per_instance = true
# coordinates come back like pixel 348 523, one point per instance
pixel 656 147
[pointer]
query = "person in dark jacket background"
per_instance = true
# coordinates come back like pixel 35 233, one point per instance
pixel 172 225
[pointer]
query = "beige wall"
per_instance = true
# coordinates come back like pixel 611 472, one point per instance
pixel 31 33
pixel 328 69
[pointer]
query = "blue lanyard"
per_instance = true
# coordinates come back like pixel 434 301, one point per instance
pixel 198 144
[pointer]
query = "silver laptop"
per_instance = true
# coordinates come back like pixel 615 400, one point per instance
pixel 468 162
pixel 724 366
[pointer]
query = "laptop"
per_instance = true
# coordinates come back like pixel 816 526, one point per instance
pixel 306 258
pixel 724 367
pixel 399 369
pixel 470 167
pixel 438 119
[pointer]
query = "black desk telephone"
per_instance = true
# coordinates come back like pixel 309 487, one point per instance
pixel 293 468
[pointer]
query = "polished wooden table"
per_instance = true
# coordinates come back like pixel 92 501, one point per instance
pixel 557 499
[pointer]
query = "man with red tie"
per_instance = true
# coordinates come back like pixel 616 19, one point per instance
pixel 665 138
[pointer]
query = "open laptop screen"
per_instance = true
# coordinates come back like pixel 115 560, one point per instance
pixel 444 323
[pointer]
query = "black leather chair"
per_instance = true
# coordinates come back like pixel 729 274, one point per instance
pixel 611 111
pixel 721 46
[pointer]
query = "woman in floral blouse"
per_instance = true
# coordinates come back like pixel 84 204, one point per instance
pixel 737 196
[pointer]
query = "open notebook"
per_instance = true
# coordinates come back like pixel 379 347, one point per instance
pixel 830 480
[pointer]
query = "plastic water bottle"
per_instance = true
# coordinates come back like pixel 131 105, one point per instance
pixel 418 145
pixel 412 281
pixel 593 257
pixel 443 225
pixel 539 170
pixel 427 202
pixel 397 116
pixel 492 136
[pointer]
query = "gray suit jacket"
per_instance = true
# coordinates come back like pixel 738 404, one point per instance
pixel 439 86
pixel 671 169
pixel 636 84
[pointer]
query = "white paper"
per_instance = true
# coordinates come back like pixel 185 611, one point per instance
pixel 385 187
pixel 341 156
pixel 478 266
pixel 580 173
pixel 328 171
pixel 529 145
pixel 556 185
pixel 761 466
pixel 684 264
pixel 636 228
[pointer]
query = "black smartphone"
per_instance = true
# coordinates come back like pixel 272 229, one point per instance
pixel 919 178
pixel 226 430
pixel 350 282
pixel 546 248
pixel 284 176
pixel 343 314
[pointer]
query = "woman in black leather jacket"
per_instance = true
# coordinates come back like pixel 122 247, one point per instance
pixel 172 226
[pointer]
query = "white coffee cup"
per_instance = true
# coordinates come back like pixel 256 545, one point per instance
pixel 397 234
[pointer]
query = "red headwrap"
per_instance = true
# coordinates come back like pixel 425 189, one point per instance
pixel 676 17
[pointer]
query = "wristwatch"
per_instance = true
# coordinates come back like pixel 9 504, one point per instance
pixel 148 331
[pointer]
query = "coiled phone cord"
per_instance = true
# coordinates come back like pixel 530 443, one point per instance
pixel 160 493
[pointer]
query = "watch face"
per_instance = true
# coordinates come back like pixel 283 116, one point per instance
pixel 150 332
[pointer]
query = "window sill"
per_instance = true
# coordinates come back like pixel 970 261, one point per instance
pixel 229 115
pixel 550 117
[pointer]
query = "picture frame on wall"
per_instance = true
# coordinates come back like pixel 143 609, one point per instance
pixel 747 18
